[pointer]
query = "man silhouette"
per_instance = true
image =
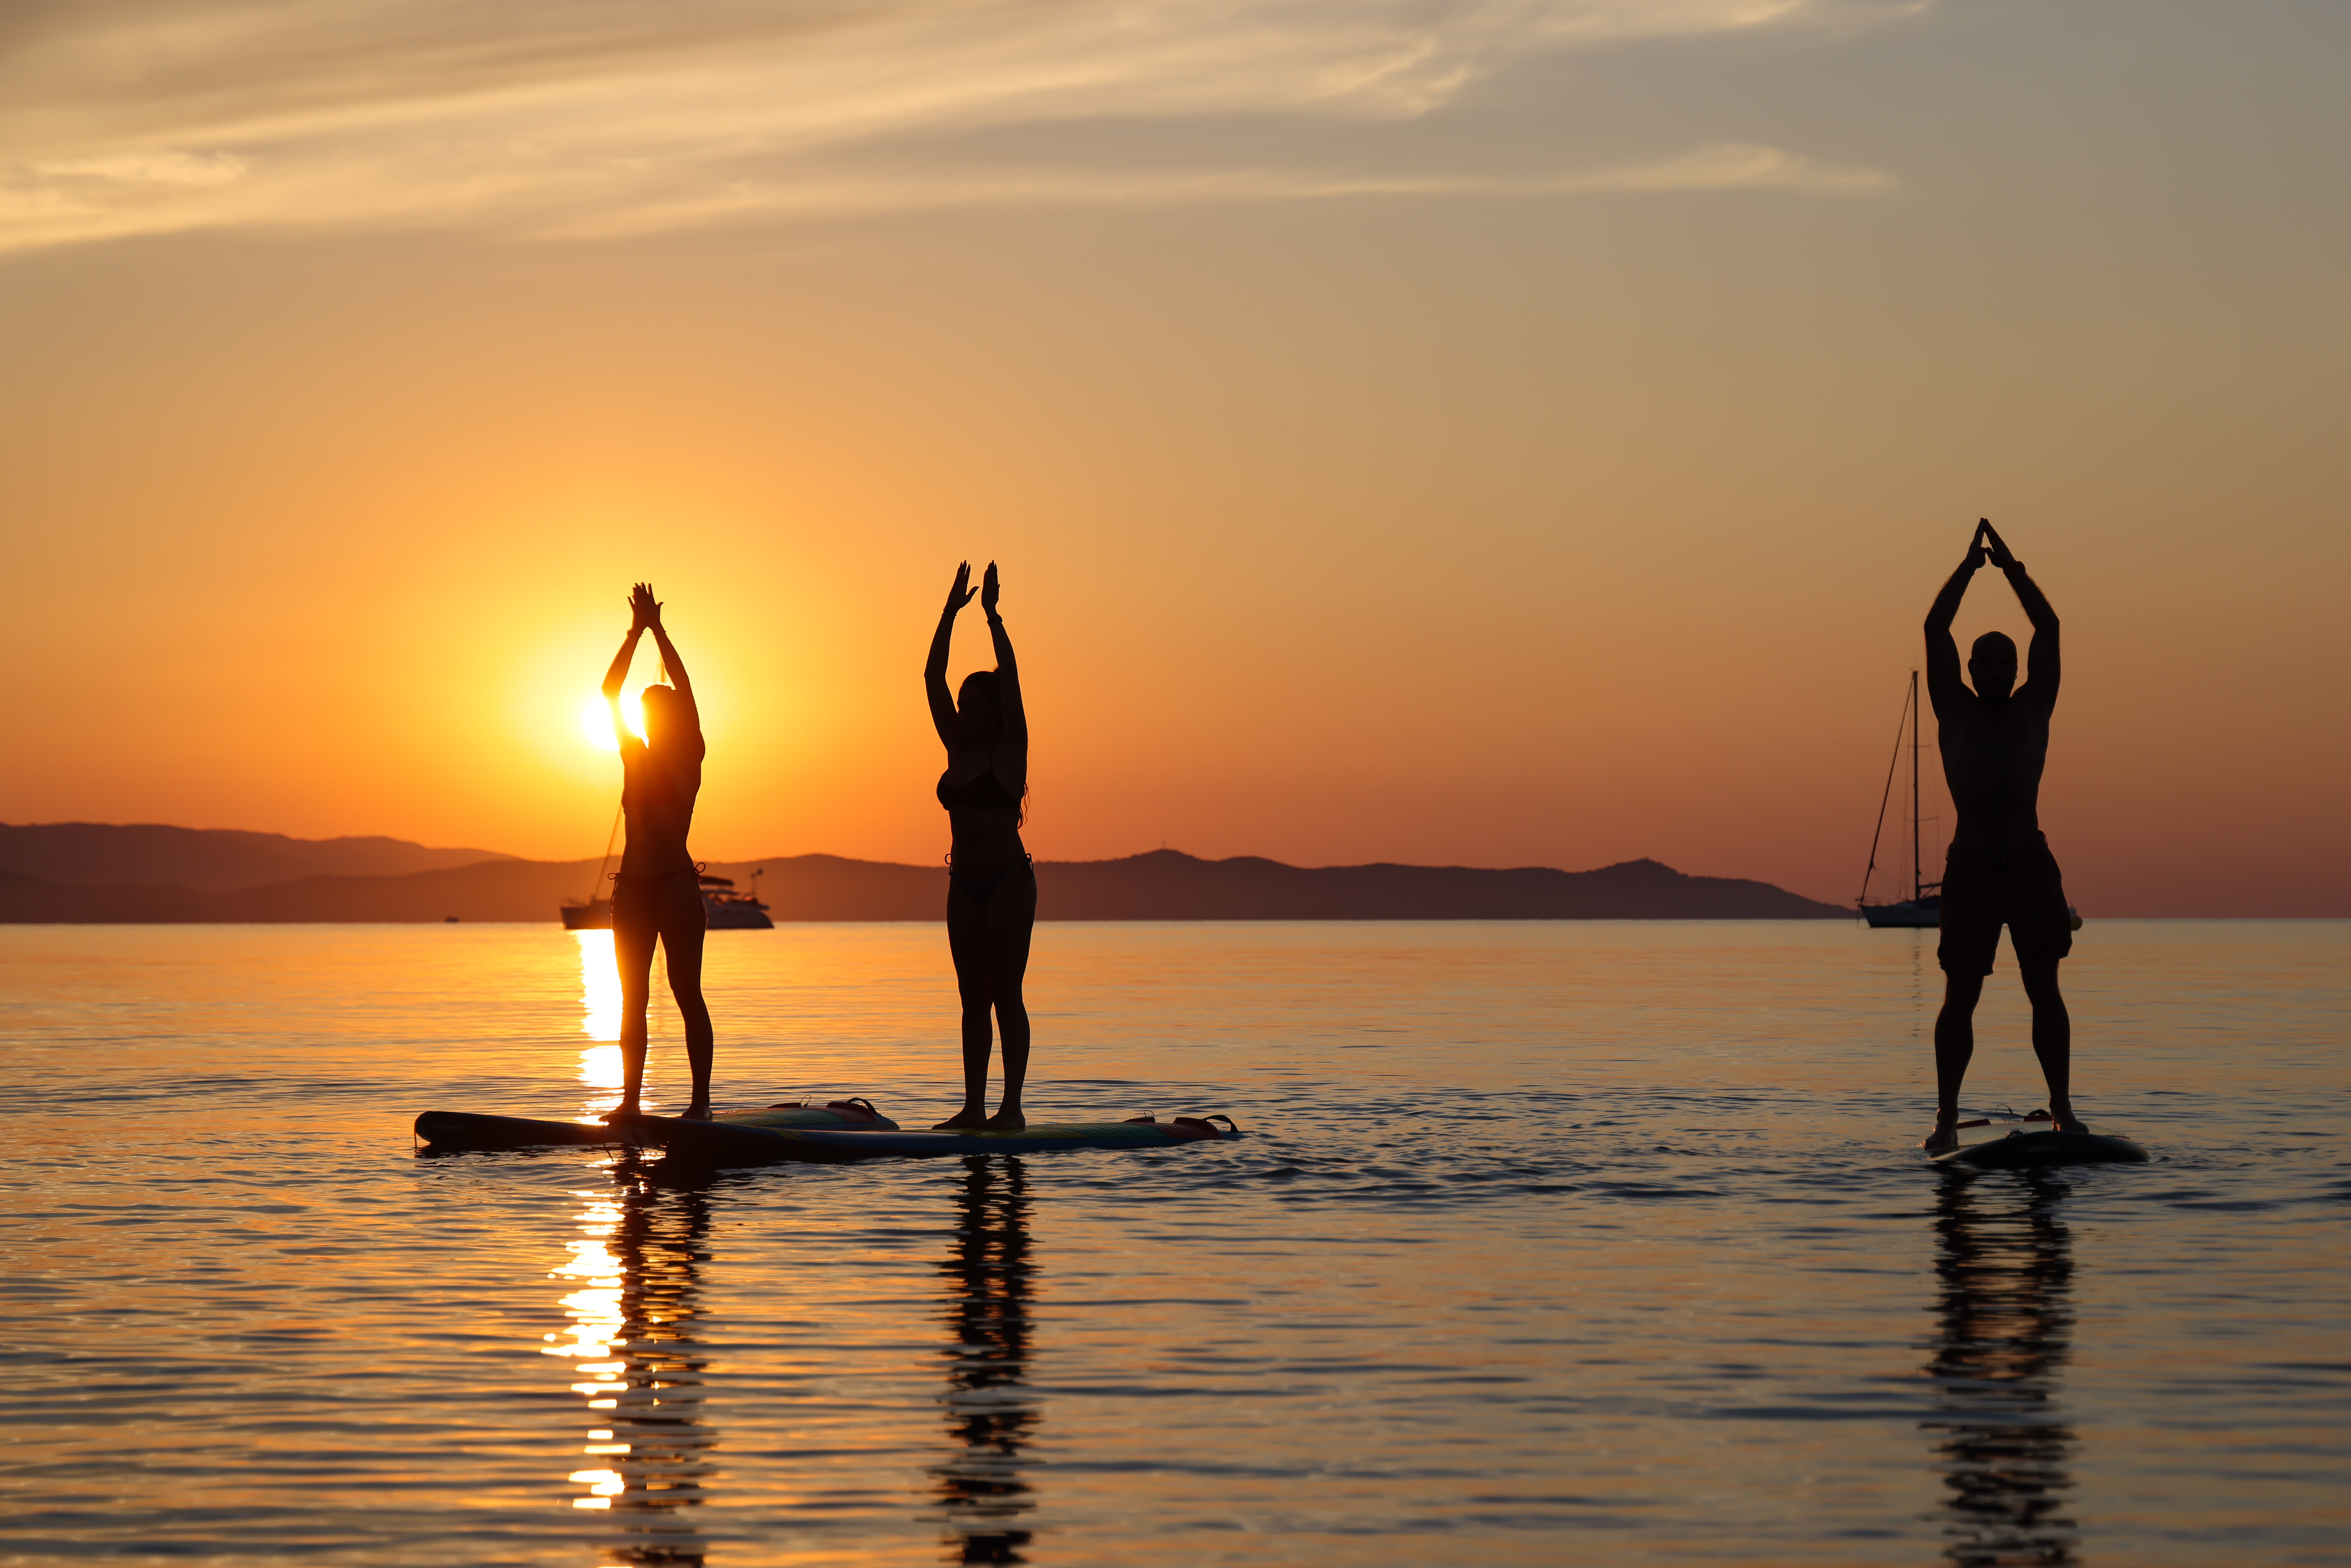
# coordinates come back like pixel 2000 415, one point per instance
pixel 1994 743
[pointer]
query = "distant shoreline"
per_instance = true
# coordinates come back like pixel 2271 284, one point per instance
pixel 94 873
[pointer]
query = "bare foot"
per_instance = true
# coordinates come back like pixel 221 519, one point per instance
pixel 1945 1135
pixel 697 1112
pixel 1008 1119
pixel 970 1116
pixel 620 1115
pixel 2063 1120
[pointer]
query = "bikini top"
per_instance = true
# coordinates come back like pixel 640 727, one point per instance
pixel 983 794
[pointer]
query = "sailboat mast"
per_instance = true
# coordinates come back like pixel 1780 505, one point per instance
pixel 609 840
pixel 1918 883
pixel 1885 797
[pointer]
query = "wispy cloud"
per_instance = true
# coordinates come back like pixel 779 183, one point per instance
pixel 586 116
pixel 1740 166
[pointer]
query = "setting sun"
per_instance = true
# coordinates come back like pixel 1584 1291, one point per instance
pixel 596 721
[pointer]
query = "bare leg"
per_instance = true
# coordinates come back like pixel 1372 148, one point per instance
pixel 683 925
pixel 2053 1041
pixel 633 932
pixel 1012 920
pixel 1955 1047
pixel 967 942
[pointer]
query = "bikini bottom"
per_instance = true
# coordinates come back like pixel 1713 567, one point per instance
pixel 637 900
pixel 980 889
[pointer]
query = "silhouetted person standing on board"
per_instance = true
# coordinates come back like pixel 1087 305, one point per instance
pixel 1994 741
pixel 658 892
pixel 991 888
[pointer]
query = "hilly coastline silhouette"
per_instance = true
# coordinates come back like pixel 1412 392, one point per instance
pixel 1164 884
pixel 208 860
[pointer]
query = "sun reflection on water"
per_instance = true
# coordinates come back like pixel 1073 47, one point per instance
pixel 600 1019
pixel 628 1338
pixel 594 1309
pixel 599 986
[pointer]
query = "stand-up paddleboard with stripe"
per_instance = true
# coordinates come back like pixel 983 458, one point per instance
pixel 449 1131
pixel 721 1142
pixel 2008 1146
pixel 844 1130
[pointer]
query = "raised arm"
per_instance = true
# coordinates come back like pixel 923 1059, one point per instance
pixel 935 669
pixel 2040 659
pixel 1007 673
pixel 619 673
pixel 1943 653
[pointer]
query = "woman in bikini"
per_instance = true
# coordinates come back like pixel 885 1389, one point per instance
pixel 991 888
pixel 658 892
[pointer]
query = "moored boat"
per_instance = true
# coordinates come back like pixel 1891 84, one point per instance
pixel 1914 912
pixel 1924 908
pixel 594 915
pixel 594 912
pixel 727 910
pixel 723 908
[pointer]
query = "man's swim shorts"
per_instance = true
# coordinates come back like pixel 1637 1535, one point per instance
pixel 2022 890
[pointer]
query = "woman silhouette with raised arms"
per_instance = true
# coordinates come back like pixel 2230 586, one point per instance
pixel 991 887
pixel 658 892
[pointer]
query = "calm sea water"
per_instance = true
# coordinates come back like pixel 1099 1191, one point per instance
pixel 1548 1243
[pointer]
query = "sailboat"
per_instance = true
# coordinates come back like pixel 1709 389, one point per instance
pixel 1924 908
pixel 594 912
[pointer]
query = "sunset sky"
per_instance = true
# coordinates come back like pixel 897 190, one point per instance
pixel 1489 434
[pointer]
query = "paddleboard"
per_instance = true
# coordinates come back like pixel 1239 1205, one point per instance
pixel 444 1131
pixel 726 1143
pixel 2008 1146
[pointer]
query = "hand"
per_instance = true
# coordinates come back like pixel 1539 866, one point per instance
pixel 990 587
pixel 644 609
pixel 1999 547
pixel 960 594
pixel 1974 558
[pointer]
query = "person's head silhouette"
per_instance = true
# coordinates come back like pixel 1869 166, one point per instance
pixel 980 704
pixel 1991 665
pixel 664 720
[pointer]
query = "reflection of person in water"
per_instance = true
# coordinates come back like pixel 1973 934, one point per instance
pixel 1994 742
pixel 2005 1262
pixel 657 1444
pixel 990 1411
pixel 991 888
pixel 658 892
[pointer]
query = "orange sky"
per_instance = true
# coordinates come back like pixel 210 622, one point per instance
pixel 1538 449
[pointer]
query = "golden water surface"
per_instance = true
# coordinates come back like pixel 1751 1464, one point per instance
pixel 1547 1243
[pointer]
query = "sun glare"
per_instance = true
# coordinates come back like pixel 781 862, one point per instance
pixel 600 1003
pixel 596 721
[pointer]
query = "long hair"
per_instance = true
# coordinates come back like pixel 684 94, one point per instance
pixel 989 681
pixel 660 699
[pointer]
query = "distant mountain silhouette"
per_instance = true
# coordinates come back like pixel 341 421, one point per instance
pixel 207 859
pixel 493 890
pixel 828 887
pixel 1165 884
